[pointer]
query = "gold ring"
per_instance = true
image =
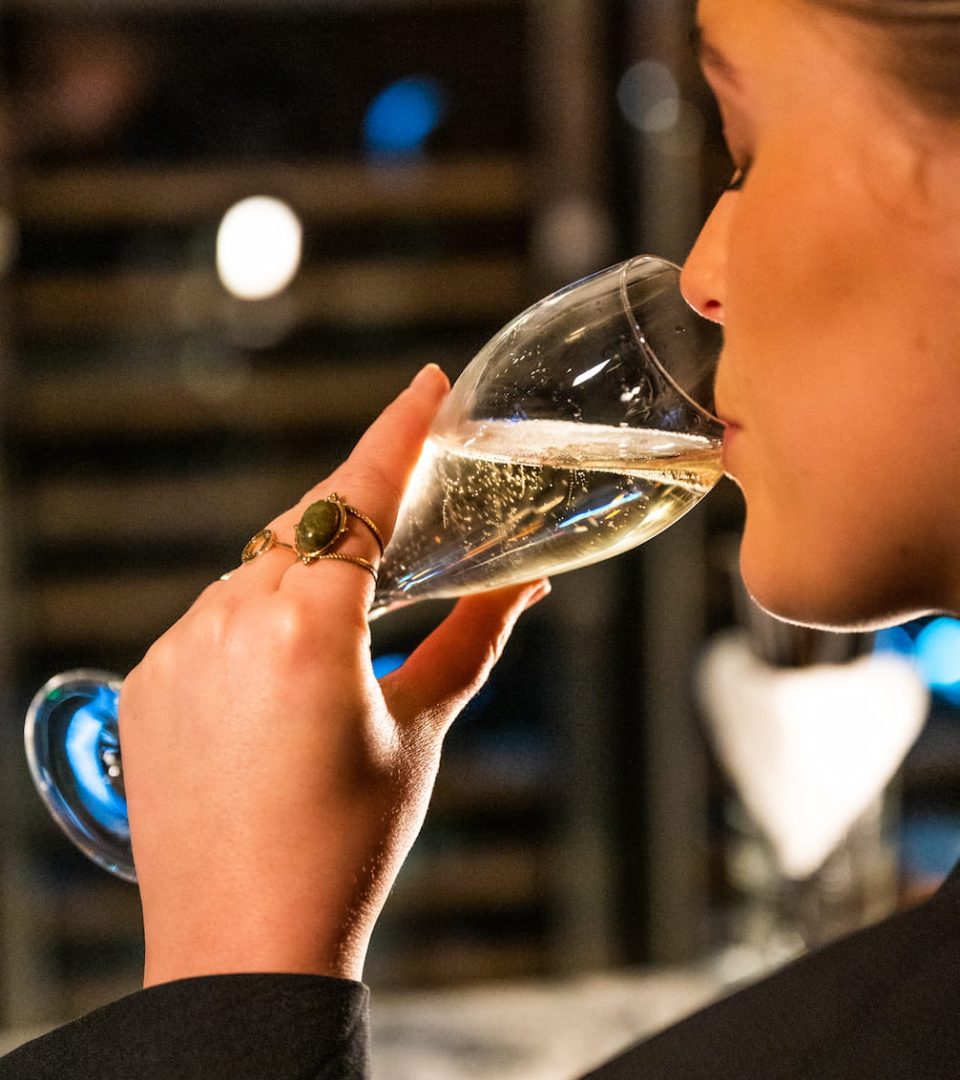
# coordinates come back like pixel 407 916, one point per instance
pixel 318 531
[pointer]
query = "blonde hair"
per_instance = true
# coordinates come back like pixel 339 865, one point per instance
pixel 920 44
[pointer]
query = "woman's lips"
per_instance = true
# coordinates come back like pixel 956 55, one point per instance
pixel 731 426
pixel 731 434
pixel 730 429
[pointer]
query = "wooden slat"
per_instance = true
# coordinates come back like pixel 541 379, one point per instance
pixel 197 507
pixel 453 961
pixel 503 877
pixel 334 396
pixel 464 787
pixel 323 192
pixel 357 292
pixel 369 7
pixel 98 912
pixel 121 610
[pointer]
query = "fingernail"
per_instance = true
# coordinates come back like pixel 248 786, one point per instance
pixel 428 373
pixel 541 590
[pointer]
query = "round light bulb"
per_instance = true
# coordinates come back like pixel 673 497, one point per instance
pixel 259 245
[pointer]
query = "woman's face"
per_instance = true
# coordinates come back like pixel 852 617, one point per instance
pixel 835 270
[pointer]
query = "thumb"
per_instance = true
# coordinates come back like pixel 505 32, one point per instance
pixel 449 667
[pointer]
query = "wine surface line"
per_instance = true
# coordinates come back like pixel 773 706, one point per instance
pixel 504 501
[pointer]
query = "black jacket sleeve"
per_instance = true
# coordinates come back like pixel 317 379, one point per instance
pixel 882 1004
pixel 224 1027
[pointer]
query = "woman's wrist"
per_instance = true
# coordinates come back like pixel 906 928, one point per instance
pixel 240 937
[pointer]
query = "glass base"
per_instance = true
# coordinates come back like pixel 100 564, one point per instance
pixel 73 749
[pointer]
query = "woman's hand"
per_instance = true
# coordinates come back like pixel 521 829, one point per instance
pixel 274 786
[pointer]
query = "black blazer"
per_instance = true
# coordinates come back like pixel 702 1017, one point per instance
pixel 882 1004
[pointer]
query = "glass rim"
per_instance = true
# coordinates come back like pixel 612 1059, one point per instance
pixel 640 338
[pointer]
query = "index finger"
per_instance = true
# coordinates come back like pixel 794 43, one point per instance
pixel 373 479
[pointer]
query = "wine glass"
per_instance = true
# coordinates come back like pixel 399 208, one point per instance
pixel 579 431
pixel 582 429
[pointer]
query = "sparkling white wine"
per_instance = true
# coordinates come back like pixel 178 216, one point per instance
pixel 505 502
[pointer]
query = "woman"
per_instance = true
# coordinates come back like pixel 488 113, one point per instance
pixel 834 262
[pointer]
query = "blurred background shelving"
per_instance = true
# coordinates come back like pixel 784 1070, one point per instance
pixel 449 163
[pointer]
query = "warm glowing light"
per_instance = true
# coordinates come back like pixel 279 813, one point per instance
pixel 259 246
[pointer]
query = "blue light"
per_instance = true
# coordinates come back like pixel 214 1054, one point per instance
pixel 938 655
pixel 401 117
pixel 895 640
pixel 84 744
pixel 383 665
pixel 929 845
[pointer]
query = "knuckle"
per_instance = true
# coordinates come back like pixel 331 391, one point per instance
pixel 204 629
pixel 286 621
pixel 372 474
pixel 216 625
pixel 296 631
pixel 161 657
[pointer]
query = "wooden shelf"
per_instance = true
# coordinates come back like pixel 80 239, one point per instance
pixel 109 403
pixel 197 506
pixel 506 877
pixel 468 786
pixel 454 962
pixel 381 291
pixel 139 6
pixel 324 192
pixel 119 610
pixel 103 910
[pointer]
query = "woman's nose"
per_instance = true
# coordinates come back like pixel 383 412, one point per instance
pixel 703 278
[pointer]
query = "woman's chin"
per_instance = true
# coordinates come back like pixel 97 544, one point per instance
pixel 812 589
pixel 837 605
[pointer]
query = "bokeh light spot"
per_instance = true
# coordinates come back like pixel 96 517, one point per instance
pixel 938 656
pixel 387 662
pixel 649 97
pixel 259 245
pixel 402 116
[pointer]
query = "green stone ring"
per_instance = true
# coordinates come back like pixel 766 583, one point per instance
pixel 317 533
pixel 322 525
